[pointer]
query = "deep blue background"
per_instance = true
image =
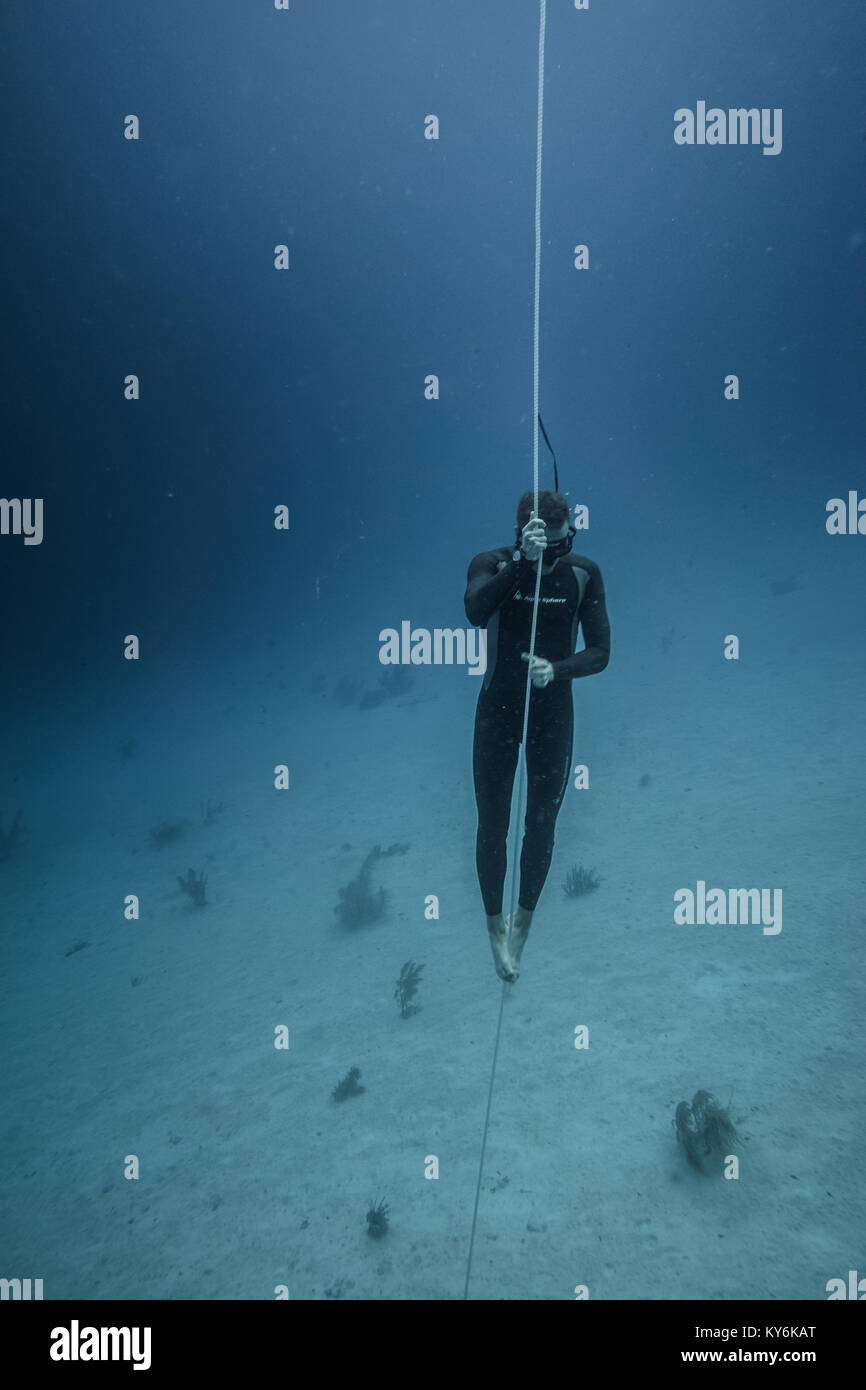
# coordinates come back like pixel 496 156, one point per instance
pixel 409 257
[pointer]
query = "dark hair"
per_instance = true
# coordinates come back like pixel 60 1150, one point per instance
pixel 552 508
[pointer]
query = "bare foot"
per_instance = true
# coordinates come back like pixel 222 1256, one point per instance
pixel 498 932
pixel 517 939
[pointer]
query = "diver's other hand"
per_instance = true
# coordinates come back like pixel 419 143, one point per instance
pixel 533 538
pixel 540 672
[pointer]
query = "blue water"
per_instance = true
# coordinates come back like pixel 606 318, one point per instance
pixel 156 1142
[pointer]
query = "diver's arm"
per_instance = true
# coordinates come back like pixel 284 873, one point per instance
pixel 595 627
pixel 488 586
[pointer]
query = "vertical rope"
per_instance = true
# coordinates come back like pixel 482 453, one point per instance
pixel 521 781
pixel 536 310
pixel 536 294
pixel 484 1142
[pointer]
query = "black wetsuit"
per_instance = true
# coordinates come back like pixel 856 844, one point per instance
pixel 499 596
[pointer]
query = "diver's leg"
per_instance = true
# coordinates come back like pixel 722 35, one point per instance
pixel 494 760
pixel 548 764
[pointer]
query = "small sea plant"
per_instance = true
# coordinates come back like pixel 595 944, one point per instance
pixel 348 1086
pixel 714 1123
pixel 579 881
pixel 703 1129
pixel 360 903
pixel 407 987
pixel 377 1219
pixel 194 885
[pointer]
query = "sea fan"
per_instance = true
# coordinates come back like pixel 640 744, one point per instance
pixel 407 987
pixel 579 881
pixel 377 1219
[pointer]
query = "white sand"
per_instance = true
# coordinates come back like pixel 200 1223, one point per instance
pixel 252 1177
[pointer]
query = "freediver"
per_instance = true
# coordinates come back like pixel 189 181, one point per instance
pixel 499 596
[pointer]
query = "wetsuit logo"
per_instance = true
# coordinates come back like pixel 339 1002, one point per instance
pixel 530 598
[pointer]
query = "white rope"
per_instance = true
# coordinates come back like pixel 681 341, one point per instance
pixel 536 304
pixel 521 781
